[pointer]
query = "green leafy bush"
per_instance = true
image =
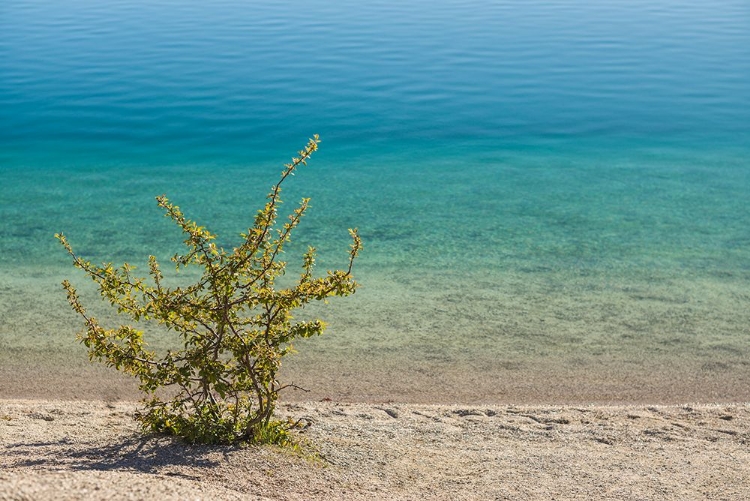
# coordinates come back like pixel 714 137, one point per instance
pixel 234 323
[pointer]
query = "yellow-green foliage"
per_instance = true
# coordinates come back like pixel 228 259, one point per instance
pixel 234 323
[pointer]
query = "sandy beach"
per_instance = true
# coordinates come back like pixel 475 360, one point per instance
pixel 67 450
pixel 561 430
pixel 388 424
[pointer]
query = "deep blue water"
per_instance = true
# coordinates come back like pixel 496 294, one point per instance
pixel 582 164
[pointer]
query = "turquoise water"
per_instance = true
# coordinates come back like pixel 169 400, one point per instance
pixel 546 182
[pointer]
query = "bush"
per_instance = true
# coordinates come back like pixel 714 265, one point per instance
pixel 234 323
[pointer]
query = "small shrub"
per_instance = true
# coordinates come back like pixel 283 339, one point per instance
pixel 234 323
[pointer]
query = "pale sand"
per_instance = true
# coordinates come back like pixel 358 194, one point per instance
pixel 92 450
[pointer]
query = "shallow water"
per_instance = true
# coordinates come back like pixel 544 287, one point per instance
pixel 534 181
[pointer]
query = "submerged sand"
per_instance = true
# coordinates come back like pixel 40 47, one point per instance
pixel 93 450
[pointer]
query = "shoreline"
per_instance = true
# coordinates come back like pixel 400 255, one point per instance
pixel 376 379
pixel 93 450
pixel 384 426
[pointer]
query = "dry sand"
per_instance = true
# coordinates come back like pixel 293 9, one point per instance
pixel 93 450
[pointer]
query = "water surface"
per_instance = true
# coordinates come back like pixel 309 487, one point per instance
pixel 547 183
